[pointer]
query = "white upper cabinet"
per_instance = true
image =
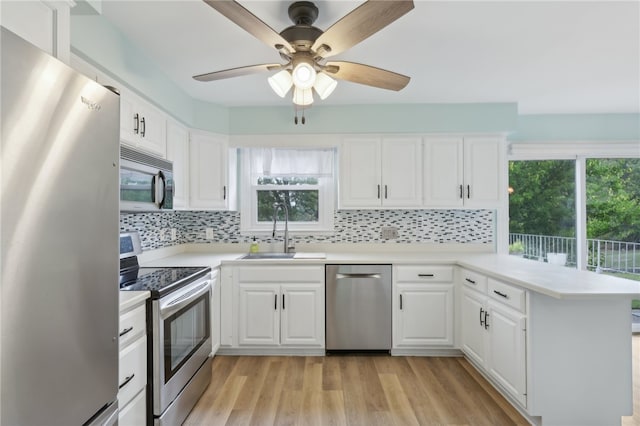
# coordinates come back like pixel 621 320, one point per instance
pixel 381 172
pixel 443 172
pixel 44 24
pixel 178 153
pixel 482 163
pixel 208 158
pixel 142 126
pixel 463 172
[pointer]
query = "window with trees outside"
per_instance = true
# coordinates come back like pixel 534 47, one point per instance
pixel 582 212
pixel 301 180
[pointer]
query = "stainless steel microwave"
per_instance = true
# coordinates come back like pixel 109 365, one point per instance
pixel 146 181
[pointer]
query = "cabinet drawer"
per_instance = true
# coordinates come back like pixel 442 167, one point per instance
pixel 132 372
pixel 281 274
pixel 507 294
pixel 135 412
pixel 132 325
pixel 474 280
pixel 426 274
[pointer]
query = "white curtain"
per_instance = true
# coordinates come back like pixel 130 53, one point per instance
pixel 291 162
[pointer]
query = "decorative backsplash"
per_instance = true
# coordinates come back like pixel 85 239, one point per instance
pixel 350 226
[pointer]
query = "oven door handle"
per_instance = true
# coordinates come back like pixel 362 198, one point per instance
pixel 183 299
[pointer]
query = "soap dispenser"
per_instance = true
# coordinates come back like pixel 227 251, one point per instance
pixel 254 246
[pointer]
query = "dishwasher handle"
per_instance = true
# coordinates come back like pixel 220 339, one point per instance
pixel 340 276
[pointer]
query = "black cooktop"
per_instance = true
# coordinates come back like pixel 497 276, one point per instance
pixel 158 281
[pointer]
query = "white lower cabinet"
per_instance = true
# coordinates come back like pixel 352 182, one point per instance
pixel 132 370
pixel 215 311
pixel 280 306
pixel 423 306
pixel 494 324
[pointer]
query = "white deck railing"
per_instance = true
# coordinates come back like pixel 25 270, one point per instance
pixel 603 255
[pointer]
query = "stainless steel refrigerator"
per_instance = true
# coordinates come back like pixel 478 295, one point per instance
pixel 59 232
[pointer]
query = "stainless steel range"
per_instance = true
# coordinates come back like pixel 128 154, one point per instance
pixel 178 315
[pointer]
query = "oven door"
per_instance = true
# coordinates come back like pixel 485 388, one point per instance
pixel 181 340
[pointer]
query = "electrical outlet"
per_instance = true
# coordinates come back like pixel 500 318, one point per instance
pixel 174 234
pixel 209 233
pixel 164 234
pixel 389 233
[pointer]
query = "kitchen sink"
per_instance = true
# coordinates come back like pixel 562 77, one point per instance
pixel 268 255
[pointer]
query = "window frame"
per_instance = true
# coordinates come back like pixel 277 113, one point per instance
pixel 249 225
pixel 579 151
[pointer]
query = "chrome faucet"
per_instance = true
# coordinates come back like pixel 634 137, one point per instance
pixel 277 207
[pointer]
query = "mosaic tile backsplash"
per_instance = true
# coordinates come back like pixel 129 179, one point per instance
pixel 350 226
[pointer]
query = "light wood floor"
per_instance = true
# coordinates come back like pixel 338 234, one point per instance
pixel 358 390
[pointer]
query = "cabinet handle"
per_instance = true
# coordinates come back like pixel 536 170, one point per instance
pixel 468 191
pixel 400 302
pixel 481 318
pixel 144 127
pixel 127 380
pixel 125 331
pixel 461 192
pixel 486 323
pixel 224 192
pixel 283 302
pixel 385 192
pixel 136 124
pixel 501 294
pixel 378 191
pixel 426 275
pixel 469 280
pixel 275 302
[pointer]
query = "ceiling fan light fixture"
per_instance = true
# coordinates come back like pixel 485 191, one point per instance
pixel 304 75
pixel 281 82
pixel 324 85
pixel 302 97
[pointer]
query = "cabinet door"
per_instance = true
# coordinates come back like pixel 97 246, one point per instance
pixel 425 316
pixel 360 173
pixel 443 168
pixel 259 315
pixel 44 24
pixel 208 171
pixel 401 172
pixel 129 120
pixel 152 130
pixel 473 330
pixel 507 356
pixel 178 153
pixel 482 170
pixel 302 315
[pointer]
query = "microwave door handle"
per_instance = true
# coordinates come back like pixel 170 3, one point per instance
pixel 162 190
pixel 154 191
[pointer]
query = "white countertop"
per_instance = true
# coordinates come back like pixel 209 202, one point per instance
pixel 551 280
pixel 131 299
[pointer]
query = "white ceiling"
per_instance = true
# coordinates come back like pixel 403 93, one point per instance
pixel 549 57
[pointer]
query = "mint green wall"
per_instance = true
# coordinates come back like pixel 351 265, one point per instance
pixel 97 41
pixel 406 118
pixel 608 127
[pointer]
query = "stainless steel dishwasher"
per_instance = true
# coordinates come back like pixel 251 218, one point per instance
pixel 358 307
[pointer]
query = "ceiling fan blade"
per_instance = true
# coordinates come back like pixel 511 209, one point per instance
pixel 360 23
pixel 366 74
pixel 237 72
pixel 249 22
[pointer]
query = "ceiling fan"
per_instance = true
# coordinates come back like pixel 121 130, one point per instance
pixel 305 48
